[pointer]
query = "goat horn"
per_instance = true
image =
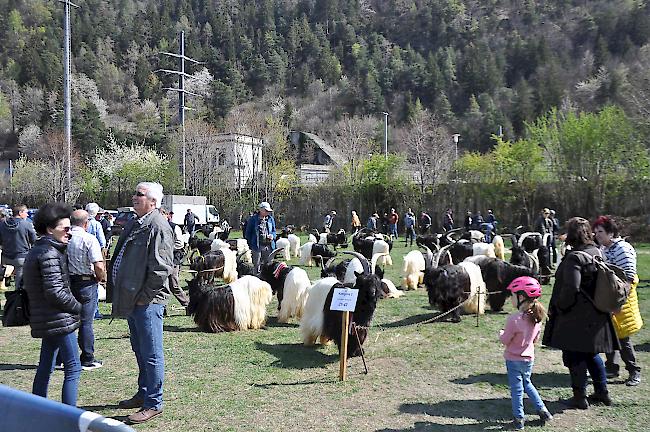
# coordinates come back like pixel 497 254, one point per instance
pixel 272 255
pixel 364 261
pixel 329 261
pixel 373 261
pixel 428 258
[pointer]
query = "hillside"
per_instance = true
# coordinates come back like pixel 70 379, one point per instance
pixel 477 64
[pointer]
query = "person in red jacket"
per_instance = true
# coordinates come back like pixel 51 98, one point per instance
pixel 393 218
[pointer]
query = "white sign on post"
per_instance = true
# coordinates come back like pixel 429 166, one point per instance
pixel 344 299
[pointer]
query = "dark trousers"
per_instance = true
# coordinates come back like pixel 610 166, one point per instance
pixel 579 363
pixel 175 288
pixel 86 293
pixel 628 356
pixel 65 348
pixel 410 234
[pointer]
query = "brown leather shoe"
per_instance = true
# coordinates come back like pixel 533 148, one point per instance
pixel 134 402
pixel 143 415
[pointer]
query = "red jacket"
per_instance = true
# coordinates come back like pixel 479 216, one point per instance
pixel 393 218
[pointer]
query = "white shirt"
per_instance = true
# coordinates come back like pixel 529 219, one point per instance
pixel 83 250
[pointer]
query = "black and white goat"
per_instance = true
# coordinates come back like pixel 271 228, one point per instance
pixel 339 238
pixel 452 285
pixel 374 244
pixel 531 249
pixel 319 321
pixel 355 266
pixel 497 275
pixel 294 240
pixel 311 251
pixel 240 305
pixel 291 285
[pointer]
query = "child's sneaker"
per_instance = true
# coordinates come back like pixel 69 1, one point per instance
pixel 544 415
pixel 518 424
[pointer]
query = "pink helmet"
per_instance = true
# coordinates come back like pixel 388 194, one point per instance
pixel 529 285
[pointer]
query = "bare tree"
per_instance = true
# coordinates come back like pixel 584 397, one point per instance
pixel 353 137
pixel 429 147
pixel 204 160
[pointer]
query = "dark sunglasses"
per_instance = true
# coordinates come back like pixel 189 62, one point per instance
pixel 140 194
pixel 66 229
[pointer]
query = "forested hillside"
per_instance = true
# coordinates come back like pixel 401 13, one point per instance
pixel 475 65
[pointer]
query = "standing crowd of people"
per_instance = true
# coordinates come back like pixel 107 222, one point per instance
pixel 60 261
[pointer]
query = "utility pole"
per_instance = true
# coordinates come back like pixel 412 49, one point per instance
pixel 385 135
pixel 456 137
pixel 67 116
pixel 181 94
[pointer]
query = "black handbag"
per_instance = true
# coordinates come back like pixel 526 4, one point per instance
pixel 16 312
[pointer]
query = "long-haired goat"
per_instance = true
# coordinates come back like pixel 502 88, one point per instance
pixel 284 245
pixel 291 285
pixel 415 263
pixel 319 321
pixel 240 305
pixel 497 275
pixel 339 238
pixel 311 251
pixel 451 285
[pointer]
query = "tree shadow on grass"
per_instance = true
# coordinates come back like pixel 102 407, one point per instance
pixel 490 414
pixel 124 336
pixel 544 379
pixel 296 356
pixel 15 366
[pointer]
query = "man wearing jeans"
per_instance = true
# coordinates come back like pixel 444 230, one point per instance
pixel 260 234
pixel 139 275
pixel 86 267
pixel 17 236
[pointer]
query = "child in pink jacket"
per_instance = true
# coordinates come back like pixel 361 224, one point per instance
pixel 519 337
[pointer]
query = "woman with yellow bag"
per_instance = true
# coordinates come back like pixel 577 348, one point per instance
pixel 628 321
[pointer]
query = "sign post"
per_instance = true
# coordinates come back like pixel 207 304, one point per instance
pixel 344 300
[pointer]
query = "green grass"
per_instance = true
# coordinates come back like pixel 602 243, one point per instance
pixel 431 377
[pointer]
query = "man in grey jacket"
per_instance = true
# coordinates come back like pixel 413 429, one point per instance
pixel 139 274
pixel 17 236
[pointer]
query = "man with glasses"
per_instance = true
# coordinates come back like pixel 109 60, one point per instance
pixel 17 236
pixel 139 275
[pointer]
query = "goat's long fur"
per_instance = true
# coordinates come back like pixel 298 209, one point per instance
pixel 477 289
pixel 312 238
pixel 305 254
pixel 499 247
pixel 294 242
pixel 486 249
pixel 413 269
pixel 296 292
pixel 238 306
pixel 381 247
pixel 390 290
pixel 311 324
pixel 284 244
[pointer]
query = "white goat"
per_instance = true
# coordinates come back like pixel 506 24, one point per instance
pixel 311 324
pixel 381 247
pixel 413 269
pixel 478 291
pixel 294 241
pixel 284 244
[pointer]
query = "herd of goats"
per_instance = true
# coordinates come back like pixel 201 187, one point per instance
pixel 459 270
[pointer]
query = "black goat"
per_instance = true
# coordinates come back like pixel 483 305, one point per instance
pixel 497 275
pixel 446 288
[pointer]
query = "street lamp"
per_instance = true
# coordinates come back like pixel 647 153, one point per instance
pixel 385 135
pixel 456 137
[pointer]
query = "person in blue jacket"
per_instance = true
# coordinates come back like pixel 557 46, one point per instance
pixel 260 234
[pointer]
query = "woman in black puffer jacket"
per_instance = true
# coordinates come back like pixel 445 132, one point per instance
pixel 54 310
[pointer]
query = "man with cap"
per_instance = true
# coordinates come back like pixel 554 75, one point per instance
pixel 260 234
pixel 327 221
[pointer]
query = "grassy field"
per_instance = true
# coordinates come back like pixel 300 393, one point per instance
pixel 430 377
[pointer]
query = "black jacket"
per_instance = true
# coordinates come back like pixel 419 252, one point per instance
pixel 54 310
pixel 16 237
pixel 574 323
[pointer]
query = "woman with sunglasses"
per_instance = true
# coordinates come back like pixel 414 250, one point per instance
pixel 54 310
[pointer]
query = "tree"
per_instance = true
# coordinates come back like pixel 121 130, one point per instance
pixel 602 149
pixel 44 175
pixel 428 146
pixel 353 138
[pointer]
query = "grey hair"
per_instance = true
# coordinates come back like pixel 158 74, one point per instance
pixel 92 209
pixel 154 191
